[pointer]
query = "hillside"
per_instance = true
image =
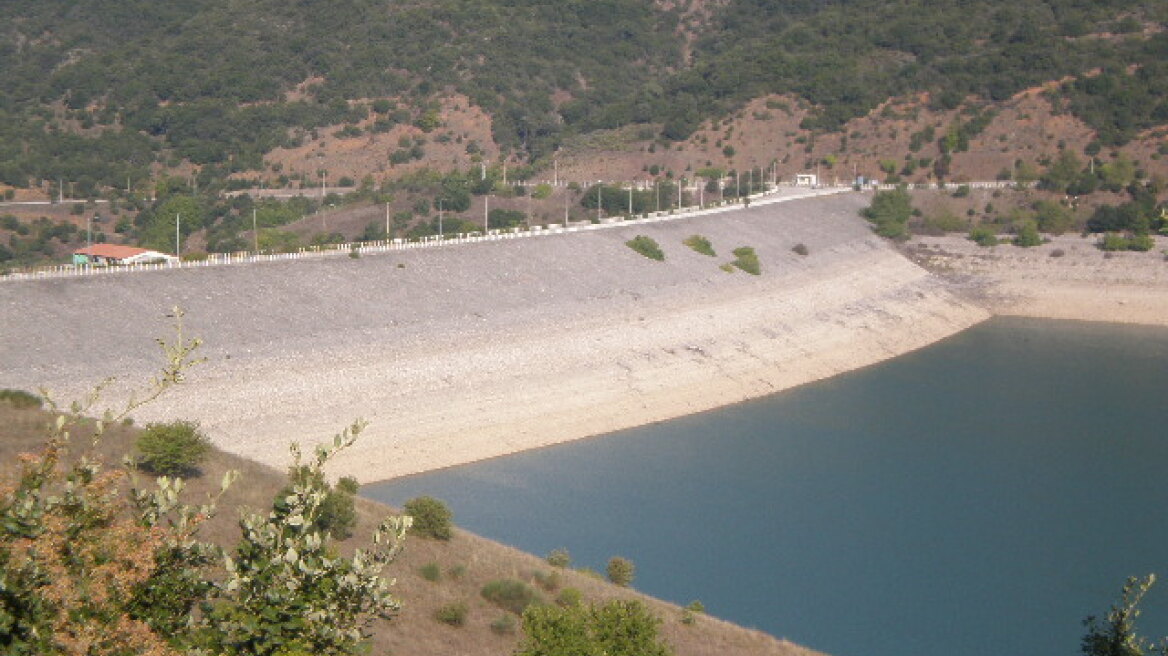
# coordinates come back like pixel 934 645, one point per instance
pixel 104 94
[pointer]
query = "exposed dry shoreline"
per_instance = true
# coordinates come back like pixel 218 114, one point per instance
pixel 463 353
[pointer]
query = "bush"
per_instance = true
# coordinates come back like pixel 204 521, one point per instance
pixel 800 249
pixel 430 572
pixel 983 236
pixel 432 518
pixel 20 398
pixel 559 558
pixel 747 260
pixel 172 449
pixel 646 246
pixel 617 628
pixel 453 614
pixel 620 571
pixel 1058 252
pixel 547 581
pixel 570 597
pixel 336 515
pixel 505 625
pixel 1027 235
pixel 509 594
pixel 700 244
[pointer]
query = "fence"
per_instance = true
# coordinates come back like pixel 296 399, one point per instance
pixel 384 246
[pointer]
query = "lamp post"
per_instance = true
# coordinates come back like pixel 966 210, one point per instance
pixel 177 243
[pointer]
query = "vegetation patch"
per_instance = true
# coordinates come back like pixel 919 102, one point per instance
pixel 983 236
pixel 20 398
pixel 176 448
pixel 509 594
pixel 431 572
pixel 646 246
pixel 559 558
pixel 800 249
pixel 453 614
pixel 620 571
pixel 432 518
pixel 747 260
pixel 889 213
pixel 700 245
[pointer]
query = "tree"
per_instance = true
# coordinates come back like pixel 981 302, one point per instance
pixel 621 571
pixel 176 448
pixel 1116 634
pixel 431 517
pixel 617 628
pixel 889 213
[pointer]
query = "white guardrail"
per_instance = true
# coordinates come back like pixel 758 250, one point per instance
pixel 776 195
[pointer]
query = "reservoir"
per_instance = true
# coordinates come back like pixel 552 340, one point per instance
pixel 980 496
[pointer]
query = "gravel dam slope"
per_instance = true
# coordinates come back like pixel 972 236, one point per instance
pixel 460 353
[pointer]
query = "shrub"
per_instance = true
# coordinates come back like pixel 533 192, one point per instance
pixel 172 449
pixel 619 628
pixel 747 260
pixel 336 515
pixel 504 625
pixel 509 594
pixel 430 571
pixel 1058 252
pixel 570 597
pixel 20 398
pixel 456 572
pixel 547 581
pixel 432 518
pixel 727 267
pixel 646 246
pixel 983 236
pixel 1027 235
pixel 800 249
pixel 620 571
pixel 700 244
pixel 559 558
pixel 453 614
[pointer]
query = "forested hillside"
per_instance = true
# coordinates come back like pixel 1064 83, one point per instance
pixel 96 92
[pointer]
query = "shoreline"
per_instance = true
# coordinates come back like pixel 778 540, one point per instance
pixel 457 355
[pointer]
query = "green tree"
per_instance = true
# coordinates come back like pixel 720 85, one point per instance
pixel 431 517
pixel 616 628
pixel 621 571
pixel 176 448
pixel 889 213
pixel 1115 634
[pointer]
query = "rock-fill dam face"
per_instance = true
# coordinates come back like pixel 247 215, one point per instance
pixel 459 353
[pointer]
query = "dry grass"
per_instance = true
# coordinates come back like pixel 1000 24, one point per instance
pixel 415 630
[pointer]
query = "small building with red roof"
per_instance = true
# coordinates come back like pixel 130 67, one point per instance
pixel 117 254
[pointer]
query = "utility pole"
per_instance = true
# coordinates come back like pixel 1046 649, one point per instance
pixel 177 243
pixel 486 214
pixel 630 200
pixel 599 185
pixel 387 221
pixel 255 233
pixel 439 217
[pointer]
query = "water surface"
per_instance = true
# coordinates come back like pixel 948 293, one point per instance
pixel 980 496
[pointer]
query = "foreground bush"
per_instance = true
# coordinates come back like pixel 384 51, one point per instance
pixel 432 518
pixel 90 565
pixel 172 449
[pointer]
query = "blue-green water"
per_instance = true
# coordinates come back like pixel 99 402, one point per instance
pixel 978 497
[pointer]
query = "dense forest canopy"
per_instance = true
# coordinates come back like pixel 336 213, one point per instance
pixel 97 92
